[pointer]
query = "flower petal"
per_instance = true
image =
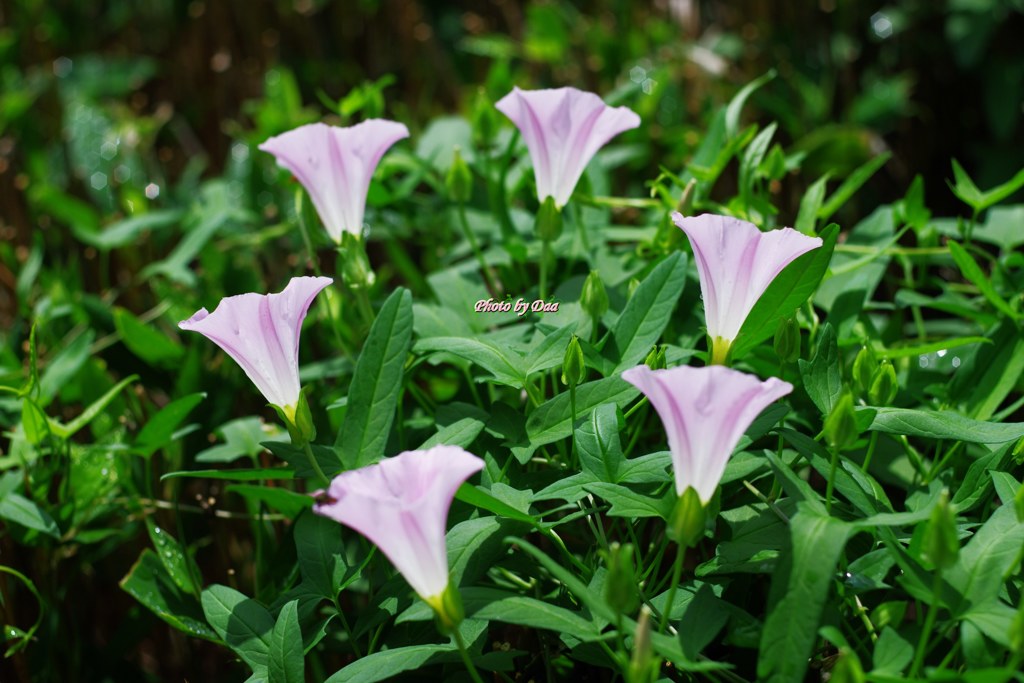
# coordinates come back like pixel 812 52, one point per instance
pixel 335 165
pixel 736 263
pixel 401 504
pixel 261 332
pixel 705 411
pixel 563 129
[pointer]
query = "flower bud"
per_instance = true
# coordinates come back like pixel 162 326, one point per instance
pixel 459 180
pixel 355 265
pixel 841 424
pixel 549 221
pixel 642 665
pixel 787 340
pixel 631 286
pixel 864 368
pixel 484 118
pixel 620 587
pixel 883 385
pixel 940 544
pixel 687 520
pixel 574 366
pixel 655 359
pixel 685 203
pixel 593 297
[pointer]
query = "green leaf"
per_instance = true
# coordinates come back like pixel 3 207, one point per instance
pixel 977 483
pixel 648 311
pixel 173 558
pixel 283 500
pixel 130 230
pixel 90 413
pixel 376 384
pixel 732 111
pixel 968 192
pixel 990 554
pixel 552 420
pixel 822 379
pixel 973 272
pixel 256 474
pixel 15 507
pixel 147 343
pixel 459 433
pixel 940 425
pixel 34 422
pixel 802 580
pixel 160 428
pixel 524 611
pixel 989 372
pixel 810 205
pixel 385 664
pixel 892 653
pixel 244 624
pixel 318 545
pixel 597 443
pixel 786 293
pixel 477 497
pixel 286 661
pixel 148 582
pixel 852 183
pixel 504 364
pixel 629 503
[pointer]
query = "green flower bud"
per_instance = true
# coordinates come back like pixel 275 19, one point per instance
pixel 643 666
pixel 864 368
pixel 574 366
pixel 631 286
pixel 687 520
pixel 787 340
pixel 620 587
pixel 655 359
pixel 355 265
pixel 685 203
pixel 484 118
pixel 883 385
pixel 940 544
pixel 593 297
pixel 549 221
pixel 841 424
pixel 459 180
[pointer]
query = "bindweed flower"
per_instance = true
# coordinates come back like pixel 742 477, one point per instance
pixel 736 263
pixel 335 166
pixel 401 504
pixel 261 332
pixel 563 129
pixel 705 412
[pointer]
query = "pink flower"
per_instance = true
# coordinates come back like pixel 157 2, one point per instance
pixel 705 411
pixel 335 166
pixel 736 263
pixel 261 332
pixel 563 129
pixel 401 504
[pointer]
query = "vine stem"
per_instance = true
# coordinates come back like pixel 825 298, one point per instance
pixel 929 624
pixel 316 466
pixel 677 573
pixel 466 659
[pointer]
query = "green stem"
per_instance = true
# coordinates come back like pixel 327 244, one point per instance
pixel 545 249
pixel 831 479
pixel 475 246
pixel 466 659
pixel 871 451
pixel 677 573
pixel 929 624
pixel 316 466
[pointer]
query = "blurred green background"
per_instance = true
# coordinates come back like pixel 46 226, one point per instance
pixel 129 108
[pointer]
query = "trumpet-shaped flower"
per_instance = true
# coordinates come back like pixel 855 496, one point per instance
pixel 736 263
pixel 261 332
pixel 335 166
pixel 401 504
pixel 705 411
pixel 563 129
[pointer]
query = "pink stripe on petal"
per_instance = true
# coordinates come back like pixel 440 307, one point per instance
pixel 563 129
pixel 736 263
pixel 261 333
pixel 401 504
pixel 335 165
pixel 705 412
